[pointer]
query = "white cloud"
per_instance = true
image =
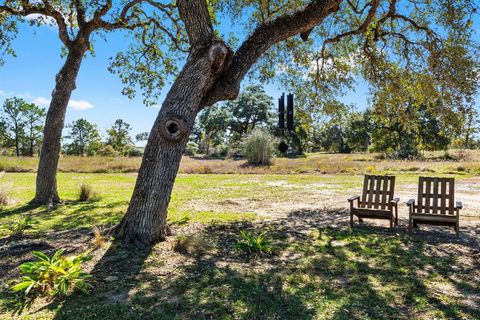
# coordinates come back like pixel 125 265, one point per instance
pixel 3 93
pixel 41 101
pixel 80 105
pixel 43 19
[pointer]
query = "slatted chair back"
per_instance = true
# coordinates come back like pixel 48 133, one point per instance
pixel 377 192
pixel 436 196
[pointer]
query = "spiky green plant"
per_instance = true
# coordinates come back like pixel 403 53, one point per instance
pixel 250 243
pixel 55 277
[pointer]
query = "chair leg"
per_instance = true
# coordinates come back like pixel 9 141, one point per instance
pixel 409 225
pixel 457 229
pixel 391 222
pixel 396 216
pixel 351 219
pixel 360 219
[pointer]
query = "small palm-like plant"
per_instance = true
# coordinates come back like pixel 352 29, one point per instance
pixel 251 243
pixel 55 276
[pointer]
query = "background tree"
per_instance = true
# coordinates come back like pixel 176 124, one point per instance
pixel 119 137
pixel 34 118
pixel 358 130
pixel 250 109
pixel 13 117
pixel 373 33
pixel 85 138
pixel 4 138
pixel 77 23
pixel 213 124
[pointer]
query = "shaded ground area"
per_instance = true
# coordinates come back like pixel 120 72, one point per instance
pixel 320 270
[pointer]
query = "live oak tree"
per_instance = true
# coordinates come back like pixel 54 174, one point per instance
pixel 378 33
pixel 252 107
pixel 78 22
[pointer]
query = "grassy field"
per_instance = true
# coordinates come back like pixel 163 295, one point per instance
pixel 451 162
pixel 320 269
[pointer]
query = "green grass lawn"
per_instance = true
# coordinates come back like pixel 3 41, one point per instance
pixel 320 269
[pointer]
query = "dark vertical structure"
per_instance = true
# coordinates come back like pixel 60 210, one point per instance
pixel 281 112
pixel 290 112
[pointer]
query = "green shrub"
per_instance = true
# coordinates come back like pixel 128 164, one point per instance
pixel 107 151
pixel 259 147
pixel 251 243
pixel 86 193
pixel 17 227
pixel 56 276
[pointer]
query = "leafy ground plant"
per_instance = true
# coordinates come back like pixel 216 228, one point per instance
pixel 20 225
pixel 250 243
pixel 55 277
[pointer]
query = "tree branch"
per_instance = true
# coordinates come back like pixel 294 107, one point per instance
pixel 46 10
pixel 195 16
pixel 80 13
pixel 265 36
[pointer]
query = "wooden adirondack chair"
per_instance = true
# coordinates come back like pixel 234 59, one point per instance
pixel 436 204
pixel 377 200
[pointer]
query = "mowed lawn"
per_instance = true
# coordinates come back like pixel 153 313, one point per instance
pixel 320 269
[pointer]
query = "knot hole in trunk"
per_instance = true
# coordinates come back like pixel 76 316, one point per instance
pixel 173 128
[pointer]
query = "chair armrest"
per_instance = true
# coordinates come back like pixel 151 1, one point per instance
pixel 410 202
pixel 395 200
pixel 459 205
pixel 353 198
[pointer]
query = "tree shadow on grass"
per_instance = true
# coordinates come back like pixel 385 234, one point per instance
pixel 321 268
pixel 200 289
pixel 20 210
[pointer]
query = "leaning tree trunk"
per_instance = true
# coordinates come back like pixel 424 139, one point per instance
pixel 145 220
pixel 46 188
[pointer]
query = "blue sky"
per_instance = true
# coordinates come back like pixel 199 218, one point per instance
pixel 98 95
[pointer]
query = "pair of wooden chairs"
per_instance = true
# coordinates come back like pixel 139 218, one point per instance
pixel 436 202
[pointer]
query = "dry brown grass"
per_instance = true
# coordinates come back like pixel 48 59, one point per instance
pixel 99 239
pixel 191 244
pixel 86 193
pixel 455 162
pixel 4 196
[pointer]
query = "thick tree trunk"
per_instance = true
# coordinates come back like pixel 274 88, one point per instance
pixel 145 220
pixel 211 74
pixel 46 188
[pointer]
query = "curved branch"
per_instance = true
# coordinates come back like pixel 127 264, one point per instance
pixel 46 10
pixel 265 36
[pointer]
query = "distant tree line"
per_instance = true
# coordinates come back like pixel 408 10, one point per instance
pixel 400 130
pixel 397 131
pixel 21 126
pixel 84 139
pixel 21 133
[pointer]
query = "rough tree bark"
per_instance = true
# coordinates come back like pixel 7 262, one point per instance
pixel 145 221
pixel 210 75
pixel 46 185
